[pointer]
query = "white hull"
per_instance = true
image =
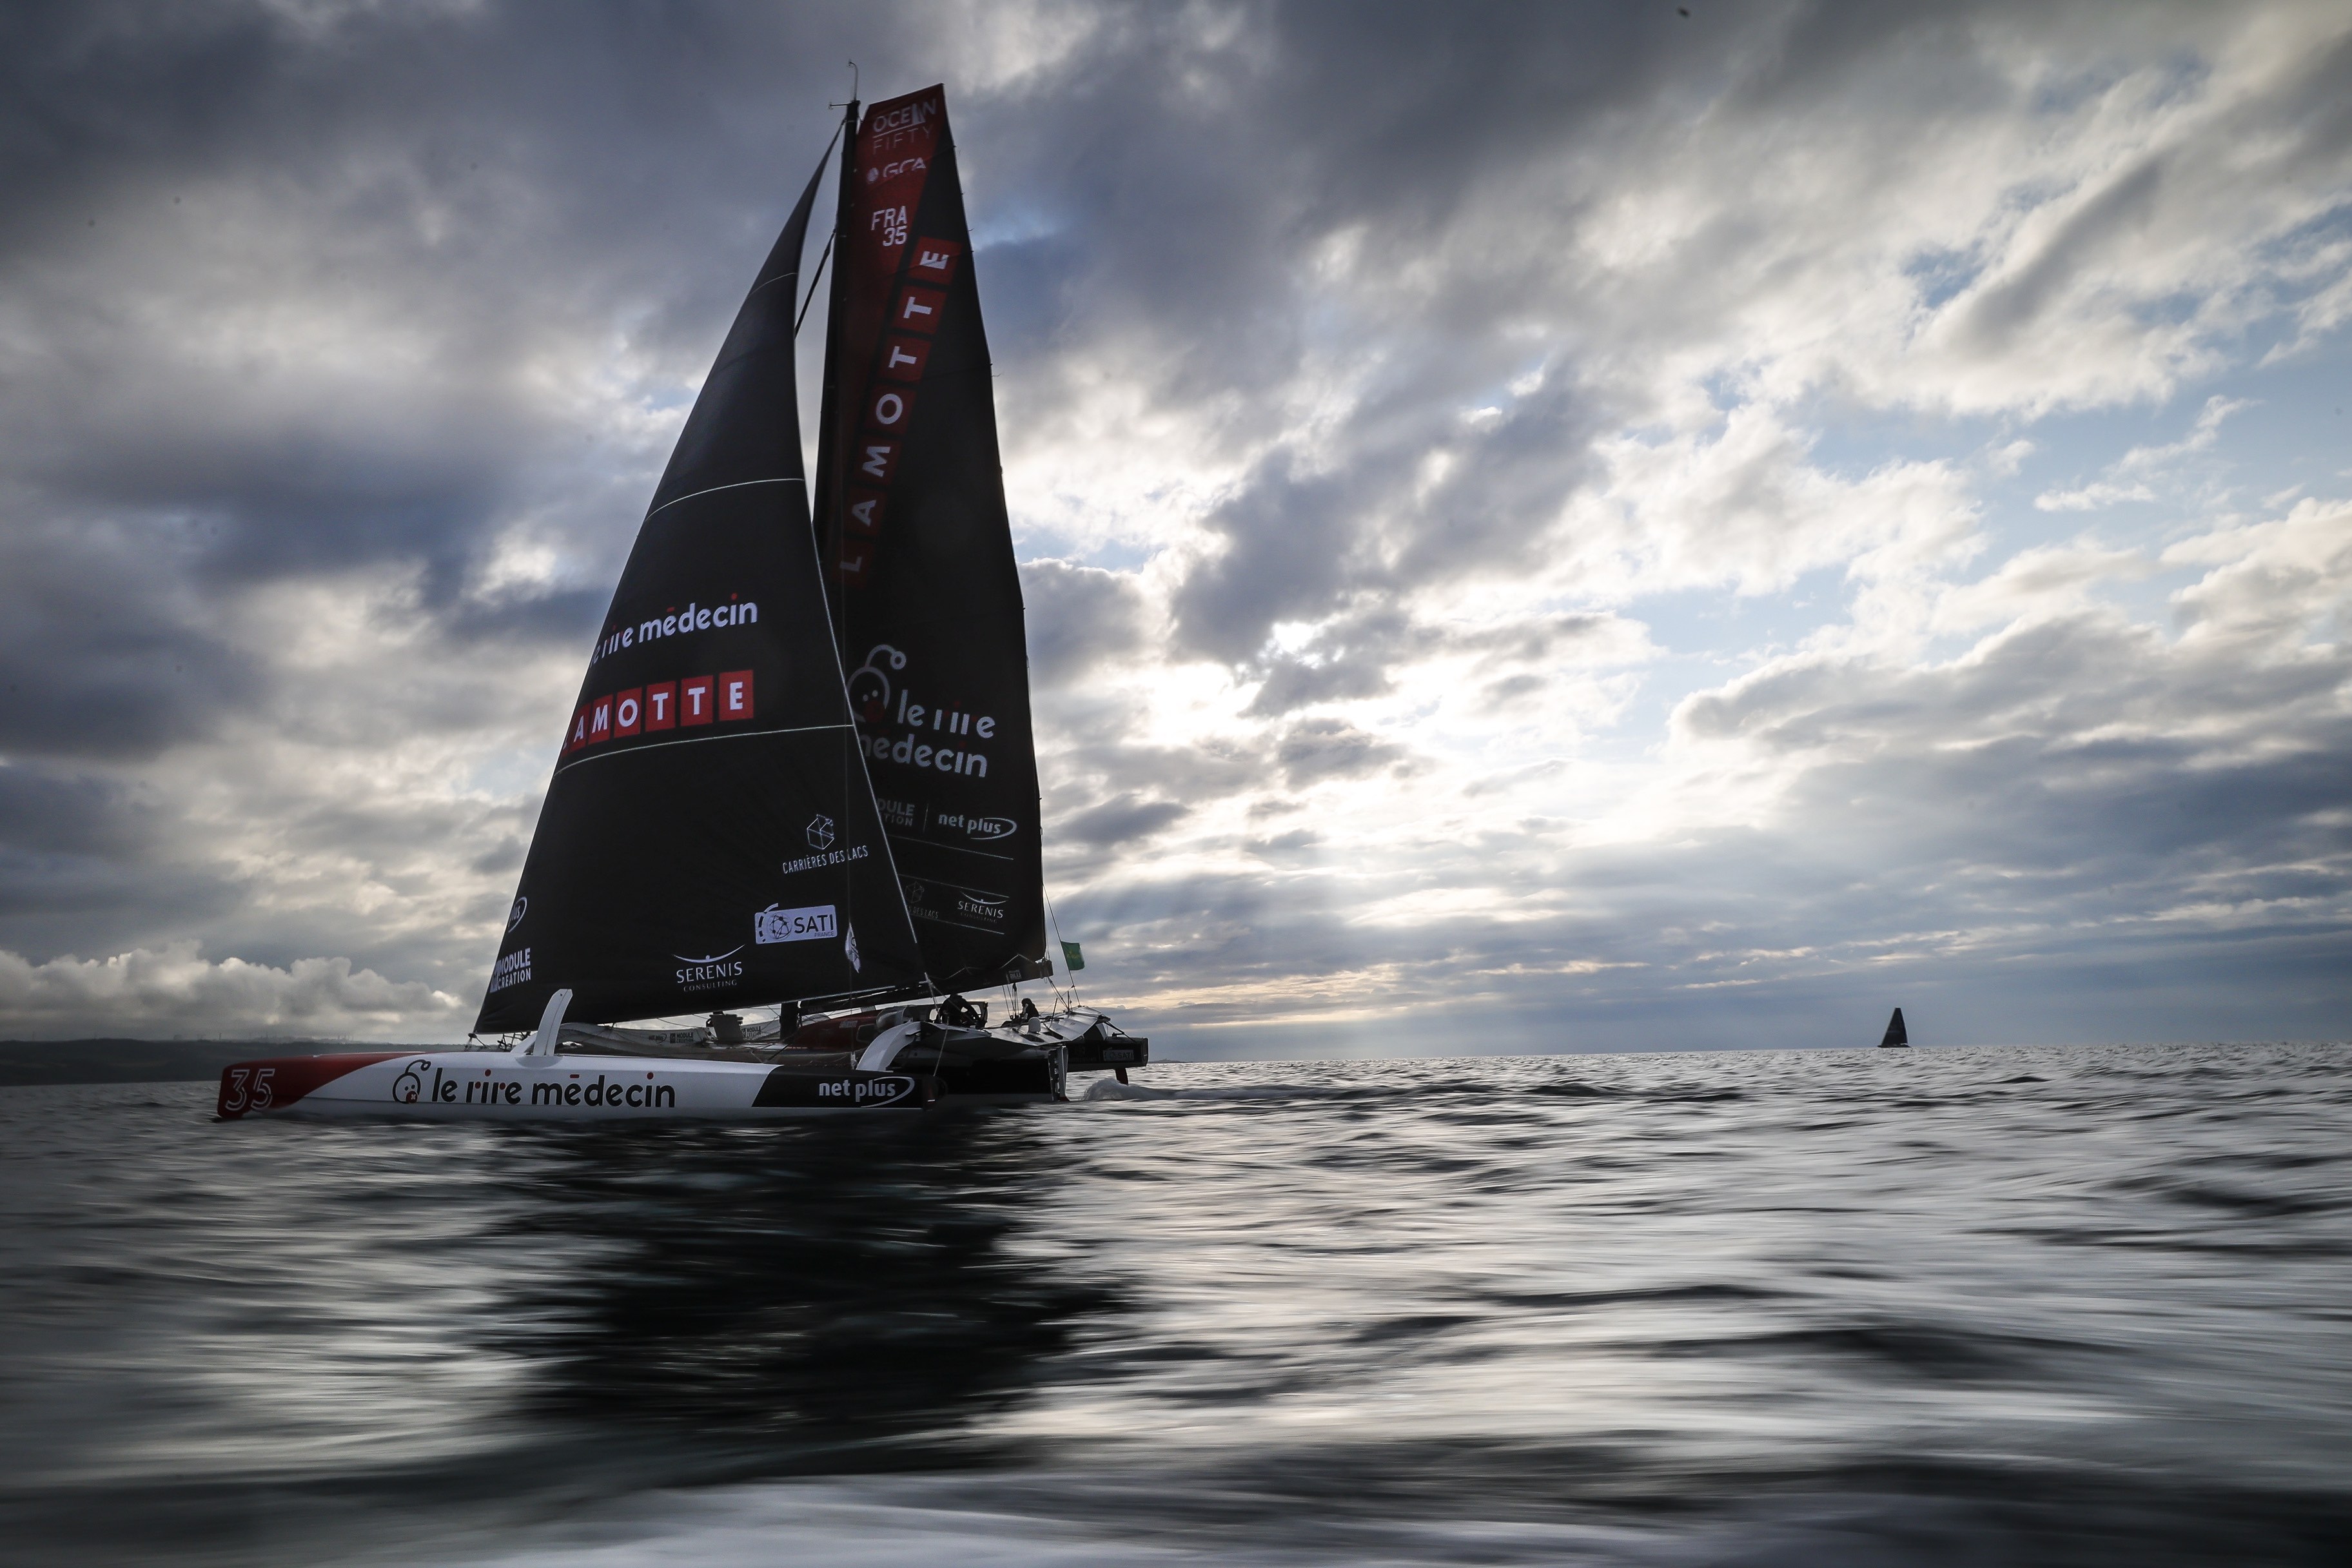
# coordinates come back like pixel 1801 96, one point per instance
pixel 901 1068
pixel 487 1085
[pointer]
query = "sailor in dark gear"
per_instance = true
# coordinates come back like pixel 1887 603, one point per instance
pixel 955 1010
pixel 1028 1009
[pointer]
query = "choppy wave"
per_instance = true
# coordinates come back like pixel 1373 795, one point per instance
pixel 2058 1306
pixel 1110 1088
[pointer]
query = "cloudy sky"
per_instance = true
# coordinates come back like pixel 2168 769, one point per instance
pixel 1547 527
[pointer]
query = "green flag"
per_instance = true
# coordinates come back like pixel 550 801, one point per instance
pixel 1072 959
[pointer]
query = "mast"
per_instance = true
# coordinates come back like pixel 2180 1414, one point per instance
pixel 825 512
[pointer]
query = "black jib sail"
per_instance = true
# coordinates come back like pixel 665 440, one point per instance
pixel 710 838
pixel 919 552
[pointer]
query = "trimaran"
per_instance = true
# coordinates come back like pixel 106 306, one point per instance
pixel 799 772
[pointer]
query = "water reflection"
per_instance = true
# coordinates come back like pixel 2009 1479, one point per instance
pixel 2063 1307
pixel 773 1298
pixel 263 1341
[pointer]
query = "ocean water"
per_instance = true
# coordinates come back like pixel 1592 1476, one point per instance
pixel 1988 1307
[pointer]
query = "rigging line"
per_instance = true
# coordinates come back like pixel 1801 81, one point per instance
pixel 794 271
pixel 818 275
pixel 1055 921
pixel 814 278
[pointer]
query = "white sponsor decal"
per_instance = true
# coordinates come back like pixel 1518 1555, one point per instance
pixel 511 969
pixel 718 969
pixel 773 925
pixel 975 909
pixel 436 1085
pixel 674 622
pixel 867 1090
pixel 984 828
pixel 409 1086
pixel 841 857
pixel 870 684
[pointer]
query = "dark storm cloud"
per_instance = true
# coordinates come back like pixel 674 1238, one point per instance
pixel 2080 755
pixel 86 864
pixel 1316 748
pixel 98 655
pixel 1079 618
pixel 1123 818
pixel 308 296
pixel 1190 156
pixel 1290 542
pixel 293 266
pixel 2107 219
pixel 1345 660
pixel 289 281
pixel 1350 657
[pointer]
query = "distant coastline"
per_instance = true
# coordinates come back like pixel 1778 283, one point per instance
pixel 27 1063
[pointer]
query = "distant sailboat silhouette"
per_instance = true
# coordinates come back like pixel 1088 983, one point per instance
pixel 1896 1033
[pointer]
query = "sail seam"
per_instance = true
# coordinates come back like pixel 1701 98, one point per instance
pixel 697 739
pixel 714 489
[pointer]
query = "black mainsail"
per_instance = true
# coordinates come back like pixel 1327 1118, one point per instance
pixel 710 838
pixel 917 550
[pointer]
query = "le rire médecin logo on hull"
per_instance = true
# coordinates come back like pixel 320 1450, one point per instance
pixel 433 1084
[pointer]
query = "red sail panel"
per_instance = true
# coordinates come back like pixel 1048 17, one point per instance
pixel 919 552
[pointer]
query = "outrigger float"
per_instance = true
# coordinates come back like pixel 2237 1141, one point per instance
pixel 800 772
